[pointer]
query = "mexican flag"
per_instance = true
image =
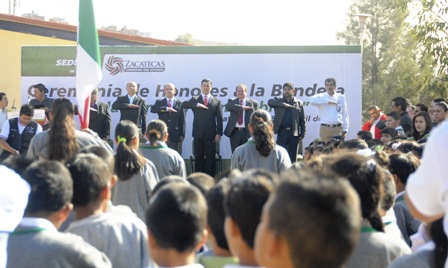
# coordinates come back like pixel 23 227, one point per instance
pixel 88 60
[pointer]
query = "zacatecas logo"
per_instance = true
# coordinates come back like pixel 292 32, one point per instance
pixel 116 65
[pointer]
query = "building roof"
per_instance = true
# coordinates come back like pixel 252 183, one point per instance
pixel 69 32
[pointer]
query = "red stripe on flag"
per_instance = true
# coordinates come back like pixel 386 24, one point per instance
pixel 85 121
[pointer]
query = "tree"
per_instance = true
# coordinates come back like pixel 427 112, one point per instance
pixel 185 38
pixel 391 66
pixel 432 34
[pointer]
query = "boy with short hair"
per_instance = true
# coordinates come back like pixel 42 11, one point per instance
pixel 220 254
pixel 401 166
pixel 388 134
pixel 36 241
pixel 176 221
pixel 309 221
pixel 394 121
pixel 243 205
pixel 123 238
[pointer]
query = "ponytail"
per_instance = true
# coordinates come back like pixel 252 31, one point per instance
pixel 261 124
pixel 127 161
pixel 62 135
pixel 156 131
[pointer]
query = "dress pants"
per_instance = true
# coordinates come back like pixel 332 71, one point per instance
pixel 204 152
pixel 237 138
pixel 287 140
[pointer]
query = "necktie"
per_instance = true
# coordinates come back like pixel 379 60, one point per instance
pixel 169 103
pixel 240 116
pixel 205 100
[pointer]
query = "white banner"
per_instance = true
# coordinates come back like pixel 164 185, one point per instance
pixel 263 73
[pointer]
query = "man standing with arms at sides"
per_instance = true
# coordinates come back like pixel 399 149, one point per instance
pixel 376 123
pixel 240 109
pixel 289 120
pixel 207 127
pixel 3 110
pixel 399 105
pixel 100 120
pixel 333 111
pixel 170 111
pixel 132 107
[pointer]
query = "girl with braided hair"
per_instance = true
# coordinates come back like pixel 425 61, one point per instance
pixel 260 151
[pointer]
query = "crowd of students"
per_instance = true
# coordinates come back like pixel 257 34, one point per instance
pixel 342 206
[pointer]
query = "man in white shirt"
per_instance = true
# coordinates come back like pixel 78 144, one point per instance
pixel 3 111
pixel 333 111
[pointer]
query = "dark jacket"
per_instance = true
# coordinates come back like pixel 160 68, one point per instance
pixel 207 122
pixel 234 107
pixel 136 115
pixel 298 115
pixel 100 120
pixel 174 121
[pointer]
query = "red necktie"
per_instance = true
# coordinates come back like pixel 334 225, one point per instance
pixel 205 100
pixel 169 103
pixel 240 116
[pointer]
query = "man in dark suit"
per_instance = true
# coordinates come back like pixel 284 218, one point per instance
pixel 170 111
pixel 289 120
pixel 100 120
pixel 207 127
pixel 240 109
pixel 132 107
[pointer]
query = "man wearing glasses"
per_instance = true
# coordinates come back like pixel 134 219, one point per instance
pixel 376 122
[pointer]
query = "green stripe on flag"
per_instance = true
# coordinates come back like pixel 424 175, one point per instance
pixel 87 32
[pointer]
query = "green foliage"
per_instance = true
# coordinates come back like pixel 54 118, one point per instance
pixel 432 34
pixel 185 38
pixel 393 63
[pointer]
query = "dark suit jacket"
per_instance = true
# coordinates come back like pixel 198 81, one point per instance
pixel 174 121
pixel 206 123
pixel 136 115
pixel 234 107
pixel 100 121
pixel 298 115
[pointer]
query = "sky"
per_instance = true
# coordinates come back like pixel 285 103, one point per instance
pixel 246 22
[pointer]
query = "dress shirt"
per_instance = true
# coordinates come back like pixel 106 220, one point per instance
pixel 131 99
pixel 168 102
pixel 330 113
pixel 3 117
